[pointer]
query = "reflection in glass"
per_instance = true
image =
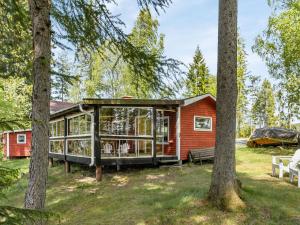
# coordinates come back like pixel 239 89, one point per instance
pixel 126 121
pixel 56 128
pixel 125 148
pixel 162 130
pixel 80 147
pixel 57 146
pixel 79 125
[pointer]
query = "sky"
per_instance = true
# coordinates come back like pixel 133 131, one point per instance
pixel 188 23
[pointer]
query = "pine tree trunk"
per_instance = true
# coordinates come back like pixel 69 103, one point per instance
pixel 36 192
pixel 224 189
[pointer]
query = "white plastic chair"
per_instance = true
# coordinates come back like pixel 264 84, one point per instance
pixel 107 148
pixel 124 148
pixel 292 168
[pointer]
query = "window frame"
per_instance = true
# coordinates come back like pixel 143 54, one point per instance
pixel 21 135
pixel 78 135
pixel 203 117
pixel 135 122
pixel 56 128
pixel 168 119
pixel 56 140
pixel 78 139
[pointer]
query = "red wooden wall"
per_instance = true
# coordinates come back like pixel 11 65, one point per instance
pixel 15 149
pixel 189 138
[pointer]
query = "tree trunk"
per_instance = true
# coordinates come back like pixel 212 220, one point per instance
pixel 224 189
pixel 36 192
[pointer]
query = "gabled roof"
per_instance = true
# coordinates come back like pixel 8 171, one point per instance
pixel 56 106
pixel 15 131
pixel 192 100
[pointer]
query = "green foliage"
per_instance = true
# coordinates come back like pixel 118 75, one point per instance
pixel 145 36
pixel 242 76
pixel 12 215
pixel 1 152
pixel 86 27
pixel 107 76
pixel 107 73
pixel 14 103
pixel 8 177
pixel 264 106
pixel 279 46
pixel 90 26
pixel 61 79
pixel 199 81
pixel 15 39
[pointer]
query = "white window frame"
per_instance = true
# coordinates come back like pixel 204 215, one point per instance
pixel 201 129
pixel 78 135
pixel 50 147
pixel 168 119
pixel 136 125
pixel 55 122
pixel 78 139
pixel 21 135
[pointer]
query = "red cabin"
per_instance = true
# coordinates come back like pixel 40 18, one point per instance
pixel 16 143
pixel 132 131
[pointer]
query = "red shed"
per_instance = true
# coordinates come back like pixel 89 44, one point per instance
pixel 16 143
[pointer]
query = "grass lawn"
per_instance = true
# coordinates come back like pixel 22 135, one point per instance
pixel 166 195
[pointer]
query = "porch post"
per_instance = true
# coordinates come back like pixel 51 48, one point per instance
pixel 154 135
pixel 67 167
pixel 178 133
pixel 67 164
pixel 97 148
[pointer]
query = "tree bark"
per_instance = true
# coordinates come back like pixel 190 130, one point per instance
pixel 224 189
pixel 36 192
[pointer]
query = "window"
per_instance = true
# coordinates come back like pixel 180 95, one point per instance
pixel 57 146
pixel 202 123
pixel 126 121
pixel 57 128
pixel 162 130
pixel 21 138
pixel 79 125
pixel 126 148
pixel 79 147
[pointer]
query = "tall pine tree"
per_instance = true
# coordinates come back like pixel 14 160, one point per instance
pixel 61 79
pixel 224 189
pixel 199 81
pixel 264 107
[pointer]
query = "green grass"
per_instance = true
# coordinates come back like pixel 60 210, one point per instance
pixel 166 195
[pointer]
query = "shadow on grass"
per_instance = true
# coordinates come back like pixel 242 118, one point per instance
pixel 272 150
pixel 165 196
pixel 169 196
